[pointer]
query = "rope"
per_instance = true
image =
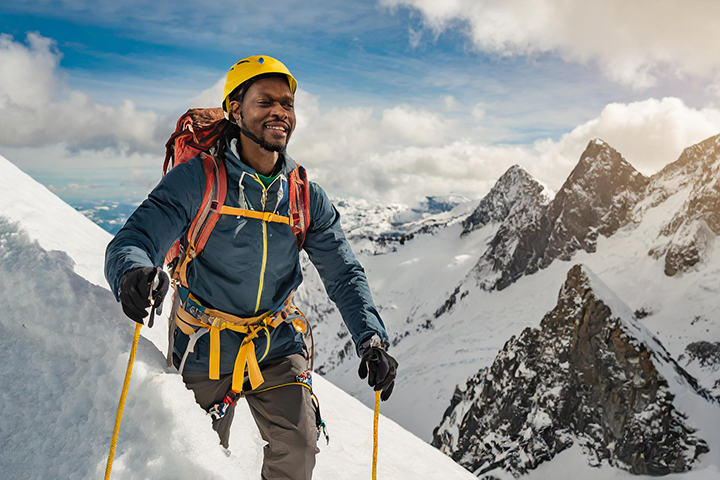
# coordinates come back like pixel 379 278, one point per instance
pixel 121 405
pixel 375 435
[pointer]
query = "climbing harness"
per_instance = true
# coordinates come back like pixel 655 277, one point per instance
pixel 196 320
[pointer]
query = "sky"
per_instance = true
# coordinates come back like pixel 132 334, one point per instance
pixel 397 99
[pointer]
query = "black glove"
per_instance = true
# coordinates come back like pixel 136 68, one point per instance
pixel 137 292
pixel 378 366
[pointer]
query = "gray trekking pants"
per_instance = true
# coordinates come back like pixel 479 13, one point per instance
pixel 285 416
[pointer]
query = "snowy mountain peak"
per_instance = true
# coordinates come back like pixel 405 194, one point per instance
pixel 589 375
pixel 693 156
pixel 597 199
pixel 601 162
pixel 687 239
pixel 515 190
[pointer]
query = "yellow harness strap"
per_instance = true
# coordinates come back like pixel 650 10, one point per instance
pixel 246 357
pixel 181 270
pixel 264 216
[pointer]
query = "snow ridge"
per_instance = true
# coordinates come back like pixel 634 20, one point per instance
pixel 597 199
pixel 690 234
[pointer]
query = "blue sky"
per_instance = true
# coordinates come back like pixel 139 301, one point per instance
pixel 399 98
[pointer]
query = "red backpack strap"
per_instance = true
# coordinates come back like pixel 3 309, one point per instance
pixel 208 214
pixel 299 191
pixel 217 199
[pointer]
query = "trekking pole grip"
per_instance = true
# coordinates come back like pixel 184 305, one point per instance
pixel 121 404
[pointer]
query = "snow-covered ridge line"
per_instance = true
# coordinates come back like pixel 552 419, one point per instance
pixel 52 222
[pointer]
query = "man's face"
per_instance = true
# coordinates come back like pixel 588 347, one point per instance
pixel 268 112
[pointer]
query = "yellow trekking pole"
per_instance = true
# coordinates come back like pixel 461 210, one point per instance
pixel 375 435
pixel 121 405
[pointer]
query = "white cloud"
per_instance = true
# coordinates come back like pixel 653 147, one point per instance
pixel 415 36
pixel 210 97
pixel 38 107
pixel 649 134
pixel 632 42
pixel 451 103
pixel 350 152
pixel 478 111
pixel 421 127
pixel 400 153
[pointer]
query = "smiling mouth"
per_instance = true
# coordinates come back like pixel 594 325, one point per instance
pixel 276 128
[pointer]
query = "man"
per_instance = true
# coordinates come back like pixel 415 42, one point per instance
pixel 247 271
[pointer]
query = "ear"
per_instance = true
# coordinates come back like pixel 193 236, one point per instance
pixel 235 110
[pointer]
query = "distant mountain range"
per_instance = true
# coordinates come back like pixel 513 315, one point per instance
pixel 626 364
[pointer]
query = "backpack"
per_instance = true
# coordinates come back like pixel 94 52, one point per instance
pixel 197 132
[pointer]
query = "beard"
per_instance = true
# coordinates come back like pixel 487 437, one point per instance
pixel 263 141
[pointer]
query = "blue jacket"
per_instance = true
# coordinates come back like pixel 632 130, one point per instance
pixel 228 274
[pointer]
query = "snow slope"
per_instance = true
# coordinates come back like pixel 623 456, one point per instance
pixel 66 344
pixel 52 222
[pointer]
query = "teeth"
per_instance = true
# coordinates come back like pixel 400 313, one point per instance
pixel 276 128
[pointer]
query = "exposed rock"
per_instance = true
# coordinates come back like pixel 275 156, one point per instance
pixel 707 354
pixel 692 230
pixel 516 190
pixel 597 199
pixel 590 374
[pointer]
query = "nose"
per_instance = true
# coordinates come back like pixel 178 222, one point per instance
pixel 278 110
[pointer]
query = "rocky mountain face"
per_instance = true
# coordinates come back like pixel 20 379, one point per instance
pixel 515 192
pixel 597 199
pixel 690 234
pixel 590 374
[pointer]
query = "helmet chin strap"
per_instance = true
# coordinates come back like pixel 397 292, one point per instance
pixel 245 131
pixel 251 135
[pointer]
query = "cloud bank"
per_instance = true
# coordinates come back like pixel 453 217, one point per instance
pixel 632 42
pixel 399 153
pixel 364 153
pixel 39 108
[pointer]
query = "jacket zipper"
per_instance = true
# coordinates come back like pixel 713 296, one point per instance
pixel 263 200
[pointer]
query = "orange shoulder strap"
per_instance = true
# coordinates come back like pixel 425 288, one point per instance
pixel 299 187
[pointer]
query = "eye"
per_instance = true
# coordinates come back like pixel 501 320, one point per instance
pixel 263 102
pixel 288 106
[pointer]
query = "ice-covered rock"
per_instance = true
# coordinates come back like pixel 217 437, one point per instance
pixel 597 199
pixel 592 375
pixel 515 192
pixel 691 232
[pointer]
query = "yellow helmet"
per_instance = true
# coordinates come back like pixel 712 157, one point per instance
pixel 251 67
